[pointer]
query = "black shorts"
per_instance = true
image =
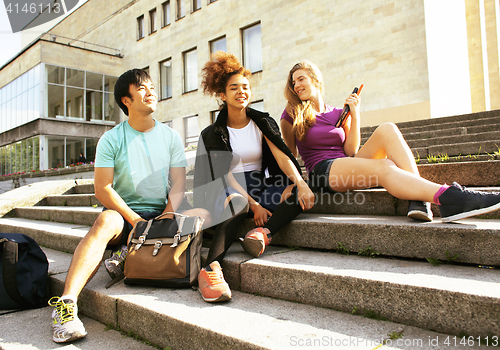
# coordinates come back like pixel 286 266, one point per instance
pixel 319 176
pixel 127 227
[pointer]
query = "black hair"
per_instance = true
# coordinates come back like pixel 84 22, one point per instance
pixel 122 87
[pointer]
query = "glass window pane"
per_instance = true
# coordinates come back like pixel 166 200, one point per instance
pixel 111 109
pixel 55 100
pixel 152 21
pixel 140 27
pixel 75 77
pixel 29 154
pixel 36 75
pixel 55 151
pixel 252 48
pixel 90 145
pixel 36 153
pixel 93 108
pixel 196 5
pixel 166 13
pixel 166 79
pixel 36 103
pixel 191 130
pixel 259 106
pixel 218 45
pixel 109 83
pixel 94 81
pixel 23 156
pixel 2 161
pixel 23 109
pixel 180 9
pixel 55 75
pixel 190 71
pixel 30 83
pixel 74 146
pixel 74 102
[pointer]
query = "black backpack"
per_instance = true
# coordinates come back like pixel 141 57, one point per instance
pixel 23 273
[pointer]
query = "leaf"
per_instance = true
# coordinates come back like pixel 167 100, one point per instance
pixel 434 261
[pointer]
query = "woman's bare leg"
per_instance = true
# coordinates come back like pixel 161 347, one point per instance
pixel 359 173
pixel 387 142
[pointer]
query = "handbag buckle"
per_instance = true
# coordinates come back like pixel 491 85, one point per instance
pixel 141 239
pixel 157 247
pixel 177 238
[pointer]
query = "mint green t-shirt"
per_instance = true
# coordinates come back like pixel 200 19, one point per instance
pixel 141 162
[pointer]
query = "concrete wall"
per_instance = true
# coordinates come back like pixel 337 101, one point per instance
pixel 378 43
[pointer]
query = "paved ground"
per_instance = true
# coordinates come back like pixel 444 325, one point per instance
pixel 31 330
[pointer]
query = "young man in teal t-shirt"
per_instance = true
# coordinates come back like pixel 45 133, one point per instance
pixel 134 163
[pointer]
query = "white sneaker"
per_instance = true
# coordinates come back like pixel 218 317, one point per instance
pixel 66 325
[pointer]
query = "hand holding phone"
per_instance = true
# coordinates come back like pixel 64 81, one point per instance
pixel 347 111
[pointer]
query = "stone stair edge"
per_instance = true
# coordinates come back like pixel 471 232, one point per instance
pixel 388 236
pixel 147 303
pixel 442 120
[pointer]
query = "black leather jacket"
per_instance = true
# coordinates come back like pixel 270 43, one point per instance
pixel 214 156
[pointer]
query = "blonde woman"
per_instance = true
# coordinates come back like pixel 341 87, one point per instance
pixel 335 161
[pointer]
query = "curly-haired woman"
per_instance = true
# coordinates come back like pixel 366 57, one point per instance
pixel 242 164
pixel 335 161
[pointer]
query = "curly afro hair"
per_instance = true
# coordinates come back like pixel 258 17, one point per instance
pixel 217 71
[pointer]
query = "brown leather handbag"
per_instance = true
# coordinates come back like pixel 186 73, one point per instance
pixel 164 252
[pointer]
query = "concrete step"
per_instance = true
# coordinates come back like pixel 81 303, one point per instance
pixel 386 235
pixel 457 149
pixel 31 330
pixel 453 139
pixel 179 318
pixel 479 118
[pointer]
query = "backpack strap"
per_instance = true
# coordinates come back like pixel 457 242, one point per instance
pixel 9 270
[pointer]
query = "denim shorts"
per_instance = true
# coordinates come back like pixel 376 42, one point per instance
pixel 319 176
pixel 267 194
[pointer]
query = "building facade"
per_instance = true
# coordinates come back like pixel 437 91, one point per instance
pixel 412 62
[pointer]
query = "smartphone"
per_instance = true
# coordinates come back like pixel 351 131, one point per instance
pixel 346 110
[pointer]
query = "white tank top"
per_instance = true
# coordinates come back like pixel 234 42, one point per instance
pixel 247 148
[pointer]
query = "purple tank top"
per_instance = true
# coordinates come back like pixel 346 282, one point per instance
pixel 323 140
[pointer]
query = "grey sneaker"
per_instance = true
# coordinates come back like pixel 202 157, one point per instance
pixel 419 210
pixel 115 264
pixel 66 325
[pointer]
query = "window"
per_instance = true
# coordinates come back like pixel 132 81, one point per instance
pixel 210 1
pixel 258 105
pixel 191 130
pixel 190 71
pixel 152 21
pixel 166 13
pixel 169 123
pixel 140 27
pixel 196 5
pixel 214 115
pixel 218 45
pixel 166 79
pixel 252 48
pixel 180 9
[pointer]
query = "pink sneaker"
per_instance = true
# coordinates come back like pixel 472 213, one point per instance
pixel 211 284
pixel 255 241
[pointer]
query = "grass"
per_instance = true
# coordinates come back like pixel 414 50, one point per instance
pixel 342 250
pixel 450 259
pixel 369 252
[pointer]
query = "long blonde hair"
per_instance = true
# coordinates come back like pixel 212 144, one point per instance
pixel 302 112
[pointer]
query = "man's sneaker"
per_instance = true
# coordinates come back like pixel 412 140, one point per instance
pixel 419 210
pixel 212 285
pixel 115 264
pixel 255 241
pixel 459 203
pixel 66 325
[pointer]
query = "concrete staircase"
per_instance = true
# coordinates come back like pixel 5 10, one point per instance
pixel 467 137
pixel 351 273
